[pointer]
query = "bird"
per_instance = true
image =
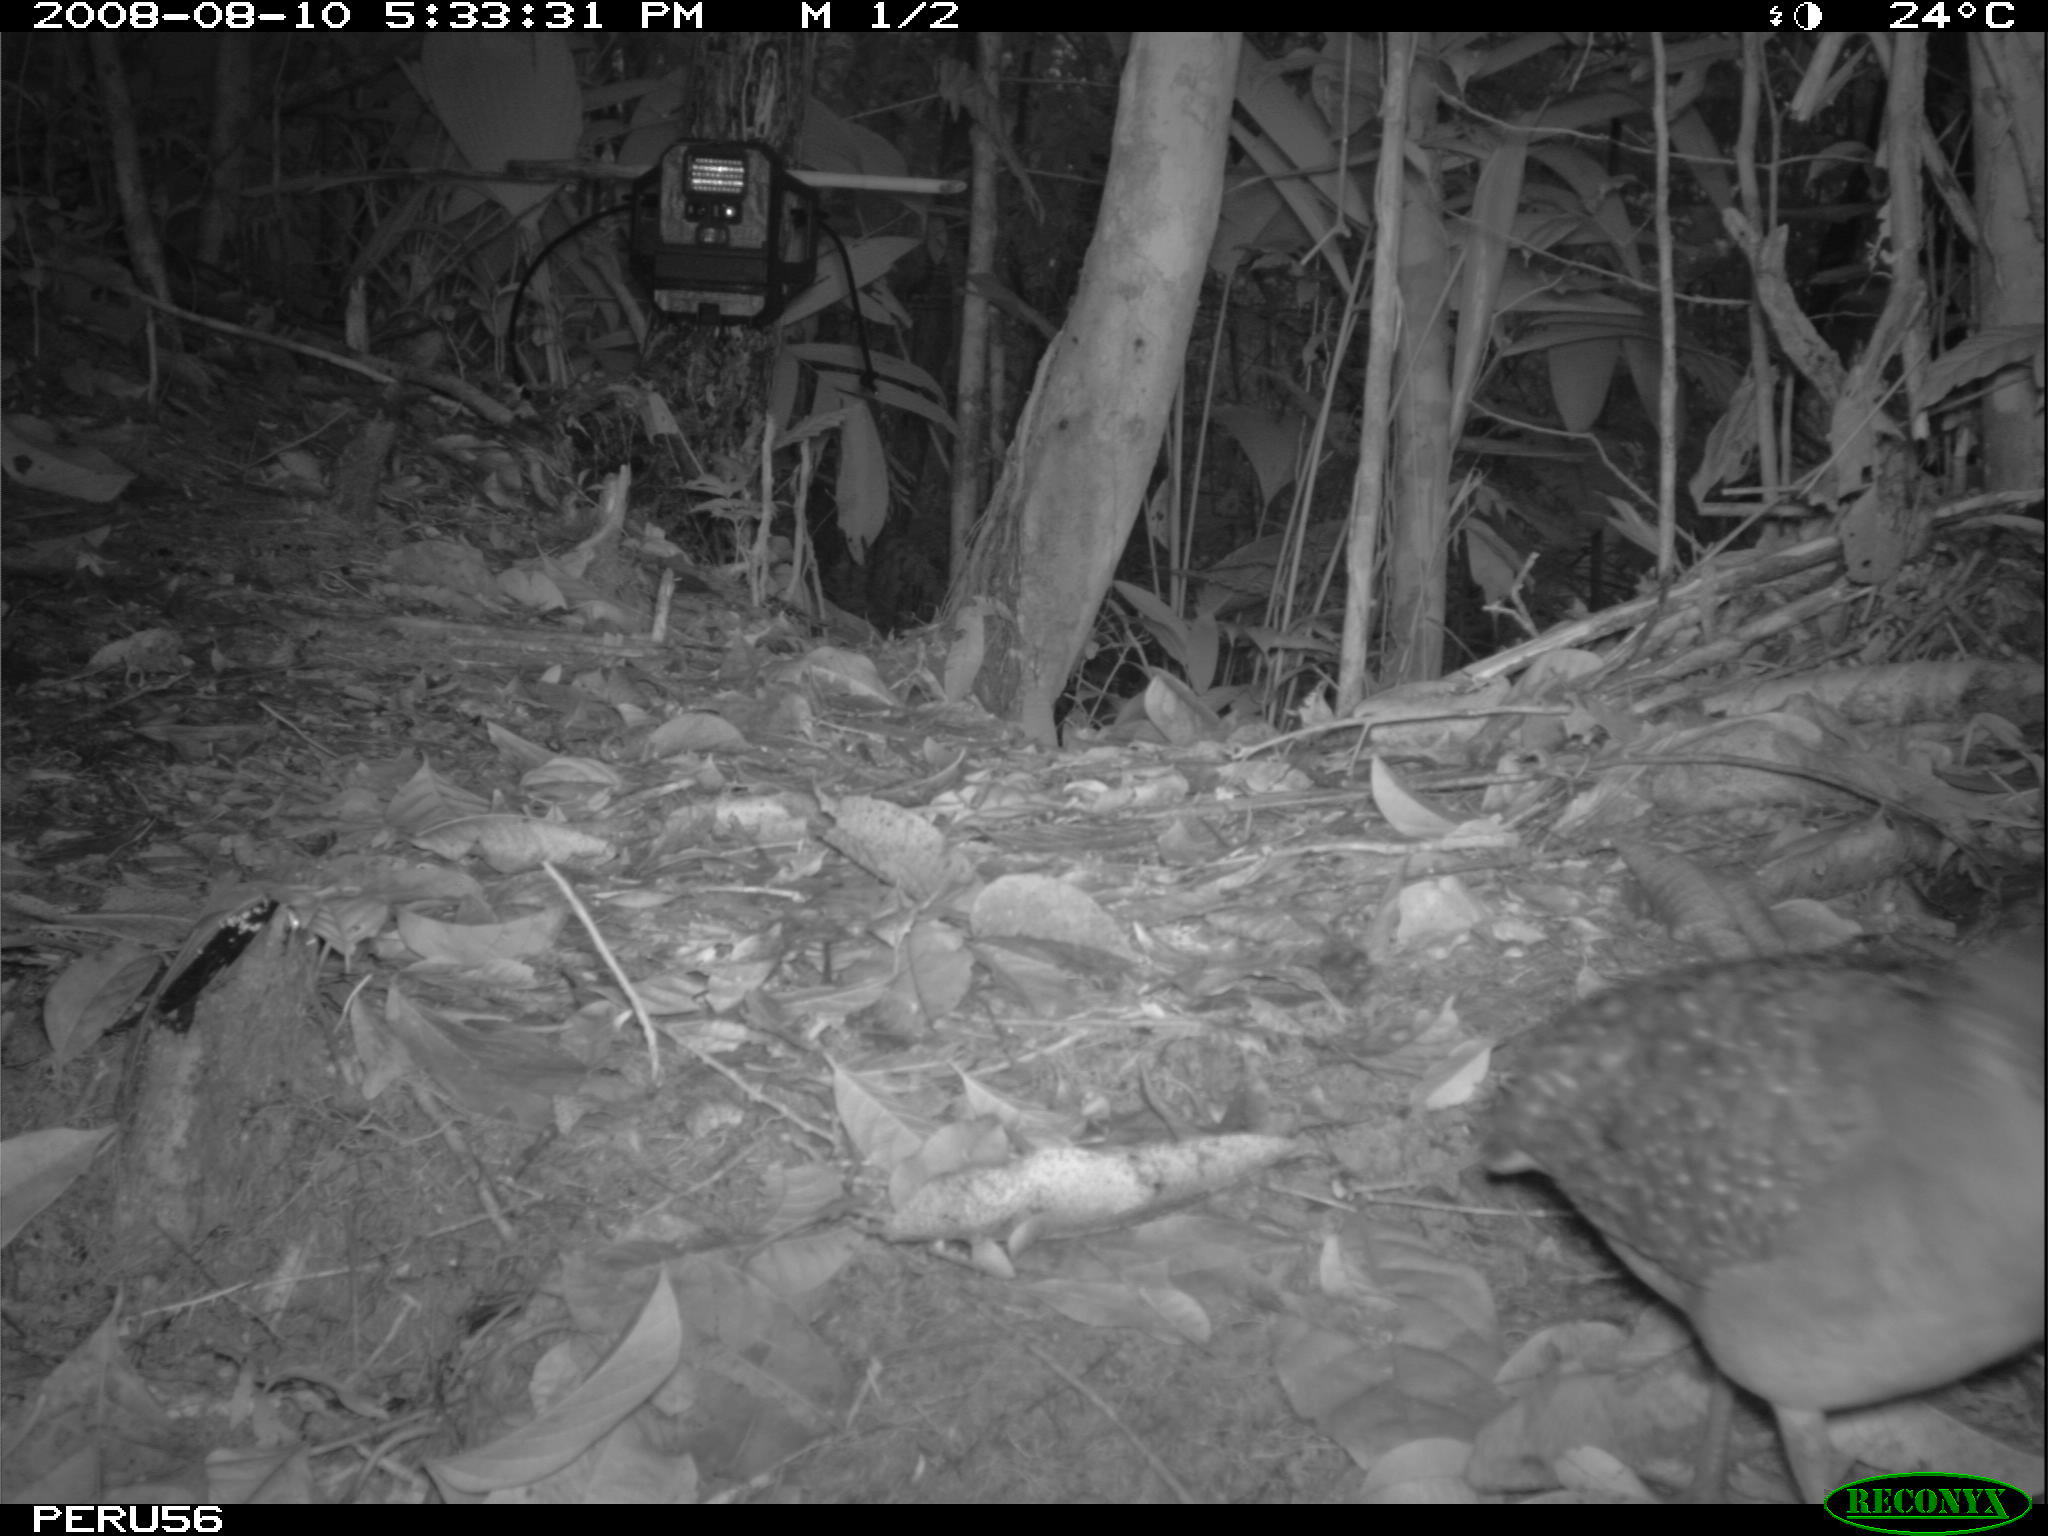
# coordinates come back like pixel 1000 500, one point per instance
pixel 1832 1168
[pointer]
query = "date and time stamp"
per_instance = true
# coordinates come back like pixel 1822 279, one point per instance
pixel 490 15
pixel 804 15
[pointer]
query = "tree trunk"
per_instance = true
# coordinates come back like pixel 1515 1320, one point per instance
pixel 226 147
pixel 972 393
pixel 2006 81
pixel 1077 469
pixel 1412 647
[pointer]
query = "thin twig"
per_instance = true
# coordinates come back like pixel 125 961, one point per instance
pixel 1180 1489
pixel 612 963
pixel 451 1133
pixel 288 725
pixel 647 1024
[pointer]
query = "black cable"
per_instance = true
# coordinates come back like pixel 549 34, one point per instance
pixel 870 385
pixel 870 381
pixel 533 266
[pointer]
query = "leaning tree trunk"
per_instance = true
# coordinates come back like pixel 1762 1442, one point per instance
pixel 1077 469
